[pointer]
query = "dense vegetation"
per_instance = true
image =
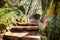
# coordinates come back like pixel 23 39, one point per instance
pixel 52 31
pixel 13 13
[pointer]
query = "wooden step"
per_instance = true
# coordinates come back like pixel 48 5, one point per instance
pixel 24 28
pixel 22 36
pixel 27 24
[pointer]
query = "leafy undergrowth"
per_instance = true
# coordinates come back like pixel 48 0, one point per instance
pixel 10 16
pixel 52 31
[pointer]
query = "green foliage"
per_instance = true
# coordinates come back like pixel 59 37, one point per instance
pixel 41 30
pixel 52 31
pixel 46 4
pixel 22 9
pixel 7 17
pixel 36 16
pixel 10 16
pixel 45 38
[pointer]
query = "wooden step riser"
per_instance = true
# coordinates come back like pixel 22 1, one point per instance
pixel 24 28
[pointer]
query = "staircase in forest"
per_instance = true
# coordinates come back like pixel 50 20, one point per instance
pixel 23 32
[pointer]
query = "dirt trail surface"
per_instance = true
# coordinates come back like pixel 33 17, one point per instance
pixel 0 38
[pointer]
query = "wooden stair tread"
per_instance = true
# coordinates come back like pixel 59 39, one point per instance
pixel 27 24
pixel 30 36
pixel 16 34
pixel 22 34
pixel 26 27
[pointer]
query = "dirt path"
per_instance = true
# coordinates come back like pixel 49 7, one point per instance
pixel 0 38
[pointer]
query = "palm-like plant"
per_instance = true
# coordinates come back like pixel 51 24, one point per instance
pixel 52 30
